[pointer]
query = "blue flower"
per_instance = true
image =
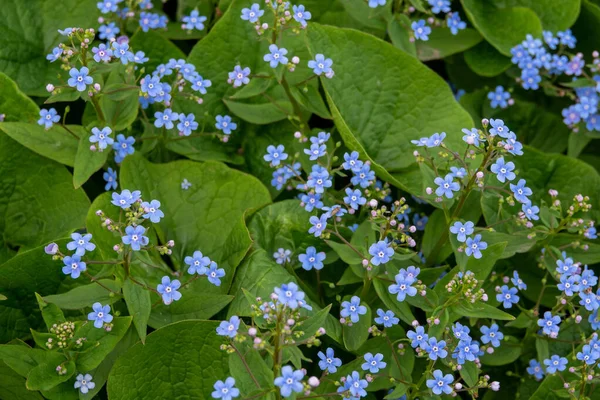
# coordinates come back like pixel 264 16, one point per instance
pixel 225 124
pixel 337 211
pixel 589 301
pixel 566 38
pixel 151 85
pixel 79 78
pixel 110 176
pixel 276 57
pixel 100 315
pixel 435 140
pixel 363 177
pixel 381 252
pixel 569 284
pixel 169 290
pixel 507 296
pixel 165 118
pixel 590 233
pixel 503 171
pixel 472 136
pixel 491 335
pixel 239 76
pixel 311 201
pixel 435 349
pixel 252 14
pixel 512 145
pixel 152 211
pixel 418 336
pixel 550 39
pixel 301 15
pixel 386 318
pixel 588 355
pixel 106 6
pixel 73 266
pixel 531 79
pixel 587 106
pixel 499 97
pixel 555 363
pixel 549 324
pixel 225 390
pixel 198 263
pixel 275 154
pixel 125 199
pixel 140 57
pixel 134 236
pixel 321 65
pixel 193 21
pixel 354 385
pixel 421 30
pixel 459 173
pixel 102 137
pixel 530 211
pixel 289 295
pixel 521 192
pixel 319 179
pixel 319 224
pixel 587 279
pixel 535 369
pixel 282 255
pixel 571 115
pixel 438 6
pixel 455 24
pixel 354 198
pixel 531 44
pixel 440 383
pixel 316 150
pixel 121 52
pixel 351 162
pixel 466 350
pixel 55 55
pixel 200 84
pixel 108 31
pixel 375 3
pixel 460 331
pixel 214 274
pixel 187 124
pixel 328 361
pixel 373 363
pixel 229 328
pixel 474 246
pixel 311 259
pixel 446 186
pixel 152 21
pixel 84 383
pixel 102 53
pixel 403 287
pixel 353 309
pixel 518 282
pixel 81 243
pixel 123 147
pixel 462 230
pixel 289 381
pixel 48 118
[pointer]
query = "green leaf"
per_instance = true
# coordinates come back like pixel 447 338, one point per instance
pixel 587 28
pixel 401 309
pixel 64 95
pixel 182 360
pixel 255 365
pixel 310 98
pixel 193 305
pixel 29 32
pixel 554 16
pixel 86 295
pixel 87 161
pixel 55 143
pixel 103 238
pixel 400 34
pixel 118 114
pixel 312 324
pixel 435 230
pixel 470 373
pixel 507 28
pixel 485 60
pixel 358 333
pixel 99 343
pixel 139 306
pixel 12 386
pixel 381 98
pixel 219 199
pixel 262 113
pixel 14 104
pixel 44 376
pixel 22 359
pixel 481 310
pixel 345 252
pixel 442 43
pixel 51 313
pixel 509 352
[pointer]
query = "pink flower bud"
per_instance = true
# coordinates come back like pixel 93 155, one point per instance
pixel 313 381
pixel 50 88
pixel 495 386
pixel 428 190
pixel 296 60
pixel 458 386
pixel 479 174
pixel 365 262
pixel 373 203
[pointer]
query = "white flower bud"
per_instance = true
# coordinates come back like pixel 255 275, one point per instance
pixel 313 381
pixel 50 88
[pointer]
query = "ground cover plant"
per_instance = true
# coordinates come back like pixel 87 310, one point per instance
pixel 268 199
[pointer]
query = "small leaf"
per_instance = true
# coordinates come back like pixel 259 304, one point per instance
pixel 86 295
pixel 87 161
pixel 139 306
pixel 481 310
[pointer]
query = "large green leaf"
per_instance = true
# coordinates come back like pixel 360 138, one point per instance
pixel 14 104
pixel 99 342
pixel 12 386
pixel 555 16
pixel 442 43
pixel 485 60
pixel 29 31
pixel 218 200
pixel 381 98
pixel 37 199
pixel 139 306
pixel 182 360
pixel 87 161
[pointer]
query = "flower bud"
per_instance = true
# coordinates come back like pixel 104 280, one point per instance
pixel 313 381
pixel 296 60
pixel 252 331
pixel 495 386
pixel 51 249
pixel 50 88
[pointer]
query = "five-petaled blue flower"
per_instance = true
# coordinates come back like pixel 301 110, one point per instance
pixel 530 211
pixel 229 328
pixel 319 179
pixel 311 201
pixel 81 243
pixel 438 6
pixel 503 170
pixel 289 295
pixel 353 309
pixel 301 15
pixel 106 6
pixel 198 263
pixel 276 56
pixel 253 13
pixel 435 349
pixel 275 154
pixel 354 198
pixel 239 76
pixel 440 383
pixel 418 337
pixel 403 287
pixel 215 274
pixel 289 381
pixel 73 266
pixel 462 230
pixel 108 31
pixel 386 318
pixel 499 97
pixel 498 128
pixel 455 24
pixel 200 84
pixel 376 3
pixel 282 255
pixel 328 361
pixel 152 211
pixel 466 350
pixel 193 21
pixel 225 124
pixel 55 55
pixel 151 85
pixel 471 136
pixel 321 65
pixel 187 124
pixel 110 176
pixel 316 150
pixel 121 51
pixel 507 296
pixel 225 390
pixel 79 78
pixel 517 281
pixel 134 236
pixel 491 335
pixel 125 199
pixel 100 315
pixel 446 186
pixel 169 290
pixel 555 363
pixel 48 118
pixel 311 259
pixel 474 246
pixel 373 363
pixel 549 324
pixel 102 137
pixel 319 224
pixel 123 147
pixel 535 369
pixel 363 176
pixel 355 385
pixel 84 383
pixel 421 30
pixel 521 192
pixel 102 53
pixel 165 118
pixel 351 162
pixel 381 252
